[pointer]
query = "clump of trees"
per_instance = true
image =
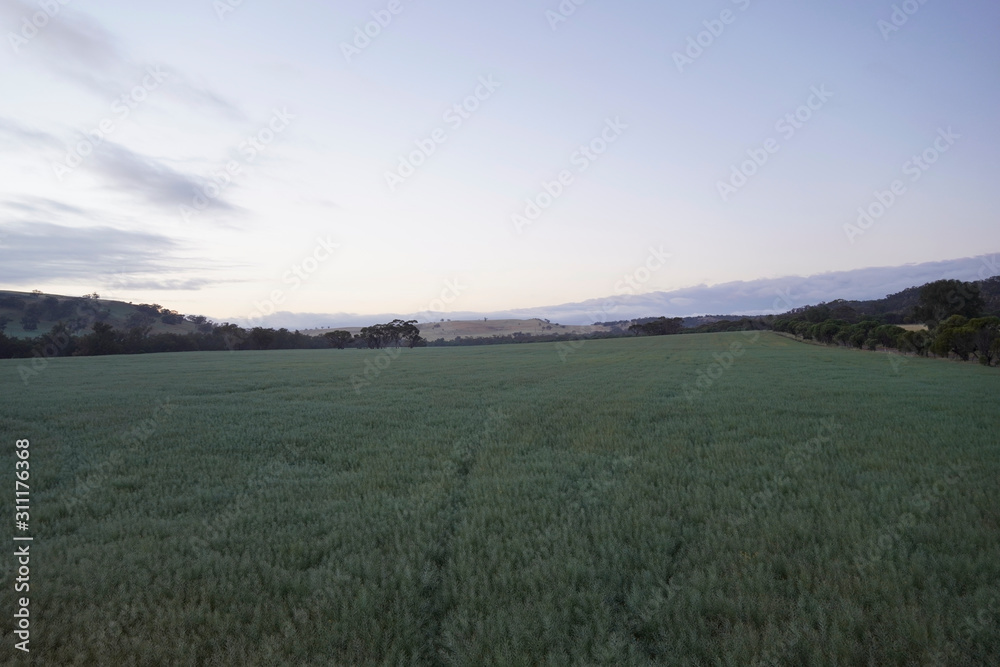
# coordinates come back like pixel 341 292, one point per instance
pixel 392 334
pixel 339 339
pixel 952 310
pixel 661 326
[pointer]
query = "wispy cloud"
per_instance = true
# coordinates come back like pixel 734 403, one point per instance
pixel 21 135
pixel 38 250
pixel 77 49
pixel 189 284
pixel 43 205
pixel 149 178
pixel 124 170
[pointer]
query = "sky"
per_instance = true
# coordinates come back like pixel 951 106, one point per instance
pixel 232 158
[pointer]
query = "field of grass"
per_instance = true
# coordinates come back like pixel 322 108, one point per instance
pixel 624 502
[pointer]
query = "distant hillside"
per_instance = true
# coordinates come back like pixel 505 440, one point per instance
pixel 484 328
pixel 898 307
pixel 30 314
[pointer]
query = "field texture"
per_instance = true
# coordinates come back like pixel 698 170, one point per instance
pixel 624 502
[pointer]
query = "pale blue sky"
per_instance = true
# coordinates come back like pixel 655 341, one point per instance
pixel 115 224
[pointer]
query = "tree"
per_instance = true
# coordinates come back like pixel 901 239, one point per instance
pixel 658 327
pixel 382 335
pixel 887 335
pixel 917 342
pixel 134 339
pixel 986 338
pixel 151 309
pixel 232 335
pixel 339 339
pixel 409 332
pixel 954 336
pixel 941 299
pixel 817 314
pixel 139 319
pixel 62 338
pixel 261 338
pixel 30 319
pixel 839 310
pixel 102 341
pixel 12 302
pixel 827 330
pixel 373 336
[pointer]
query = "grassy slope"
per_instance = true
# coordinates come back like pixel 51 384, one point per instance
pixel 495 505
pixel 120 312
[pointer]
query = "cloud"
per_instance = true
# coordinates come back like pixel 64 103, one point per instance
pixel 178 285
pixel 36 251
pixel 123 169
pixel 149 178
pixel 27 136
pixel 74 47
pixel 43 206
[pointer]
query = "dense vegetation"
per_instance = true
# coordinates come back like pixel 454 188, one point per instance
pixel 952 311
pixel 506 505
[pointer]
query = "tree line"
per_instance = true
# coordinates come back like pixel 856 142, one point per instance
pixel 953 311
pixel 65 340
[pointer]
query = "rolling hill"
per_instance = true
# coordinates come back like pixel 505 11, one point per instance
pixel 29 314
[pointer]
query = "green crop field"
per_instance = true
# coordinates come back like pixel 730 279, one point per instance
pixel 621 502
